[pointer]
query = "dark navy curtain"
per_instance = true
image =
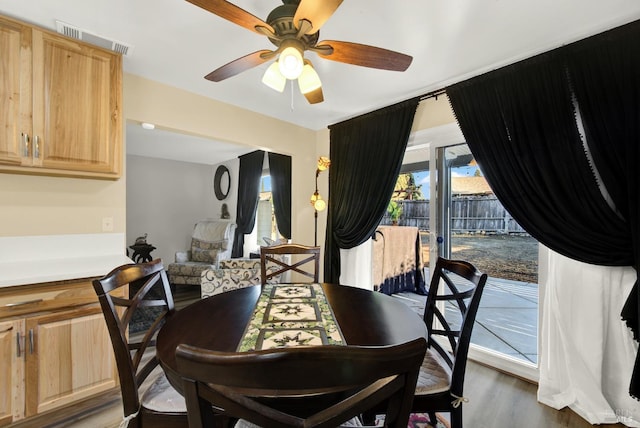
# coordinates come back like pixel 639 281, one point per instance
pixel 280 171
pixel 248 194
pixel 605 76
pixel 520 124
pixel 366 154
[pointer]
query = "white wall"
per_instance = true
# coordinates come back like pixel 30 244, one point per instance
pixel 39 205
pixel 165 199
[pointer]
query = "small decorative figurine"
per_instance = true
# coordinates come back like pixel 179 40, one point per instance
pixel 225 212
pixel 141 240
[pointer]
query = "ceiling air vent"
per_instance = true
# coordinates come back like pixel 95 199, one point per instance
pixel 89 37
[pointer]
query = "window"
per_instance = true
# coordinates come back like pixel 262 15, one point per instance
pixel 266 225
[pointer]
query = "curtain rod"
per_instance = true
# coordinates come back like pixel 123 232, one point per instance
pixel 433 94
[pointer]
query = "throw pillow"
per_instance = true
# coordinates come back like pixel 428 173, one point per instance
pixel 209 245
pixel 206 256
pixel 206 251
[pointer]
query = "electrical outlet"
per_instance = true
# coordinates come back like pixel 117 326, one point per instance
pixel 107 224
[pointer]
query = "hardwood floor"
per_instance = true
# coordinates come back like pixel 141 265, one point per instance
pixel 496 400
pixel 499 400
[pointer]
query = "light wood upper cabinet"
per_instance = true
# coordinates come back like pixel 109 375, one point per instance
pixel 15 93
pixel 64 101
pixel 76 105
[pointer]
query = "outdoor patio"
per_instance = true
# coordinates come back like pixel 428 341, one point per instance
pixel 507 321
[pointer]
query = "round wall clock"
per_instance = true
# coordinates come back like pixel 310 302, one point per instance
pixel 221 182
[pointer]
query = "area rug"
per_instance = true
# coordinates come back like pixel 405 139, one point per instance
pixel 421 420
pixel 416 420
pixel 144 317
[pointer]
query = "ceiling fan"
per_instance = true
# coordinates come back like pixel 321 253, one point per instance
pixel 293 28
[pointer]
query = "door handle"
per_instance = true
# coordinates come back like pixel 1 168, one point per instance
pixel 31 344
pixel 25 145
pixel 36 147
pixel 19 344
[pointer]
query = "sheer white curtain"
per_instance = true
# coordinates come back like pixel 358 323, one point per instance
pixel 586 351
pixel 356 266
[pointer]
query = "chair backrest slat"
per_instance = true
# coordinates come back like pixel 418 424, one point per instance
pixel 301 386
pixel 277 255
pixel 462 287
pixel 150 291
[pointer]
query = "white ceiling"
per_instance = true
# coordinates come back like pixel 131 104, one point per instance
pixel 177 43
pixel 164 144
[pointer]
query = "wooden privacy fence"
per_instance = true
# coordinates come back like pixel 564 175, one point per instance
pixel 469 214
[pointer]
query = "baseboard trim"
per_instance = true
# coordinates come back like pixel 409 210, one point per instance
pixel 61 417
pixel 504 363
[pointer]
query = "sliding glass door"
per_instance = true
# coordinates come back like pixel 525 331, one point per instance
pixel 471 224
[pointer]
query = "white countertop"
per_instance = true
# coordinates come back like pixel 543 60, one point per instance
pixel 37 259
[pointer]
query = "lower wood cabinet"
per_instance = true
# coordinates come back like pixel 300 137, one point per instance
pixel 54 347
pixel 12 397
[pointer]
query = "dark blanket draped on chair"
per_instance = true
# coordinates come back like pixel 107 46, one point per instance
pixel 520 123
pixel 280 171
pixel 366 154
pixel 248 188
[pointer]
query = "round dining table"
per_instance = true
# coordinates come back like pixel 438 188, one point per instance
pixel 366 318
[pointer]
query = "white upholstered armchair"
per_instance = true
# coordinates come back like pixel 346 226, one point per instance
pixel 211 241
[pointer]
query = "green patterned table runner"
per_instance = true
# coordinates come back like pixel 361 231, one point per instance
pixel 291 315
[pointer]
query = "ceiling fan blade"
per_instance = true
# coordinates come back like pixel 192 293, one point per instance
pixel 363 55
pixel 232 13
pixel 239 65
pixel 316 12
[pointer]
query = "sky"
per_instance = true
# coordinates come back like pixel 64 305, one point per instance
pixel 422 177
pixel 265 183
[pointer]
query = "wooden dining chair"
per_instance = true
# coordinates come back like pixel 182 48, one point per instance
pixel 305 386
pixel 148 399
pixel 290 258
pixel 450 315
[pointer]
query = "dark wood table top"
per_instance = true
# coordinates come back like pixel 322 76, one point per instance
pixel 365 318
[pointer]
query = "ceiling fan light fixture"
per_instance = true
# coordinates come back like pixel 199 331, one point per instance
pixel 273 78
pixel 294 28
pixel 291 62
pixel 309 80
pixel 315 96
